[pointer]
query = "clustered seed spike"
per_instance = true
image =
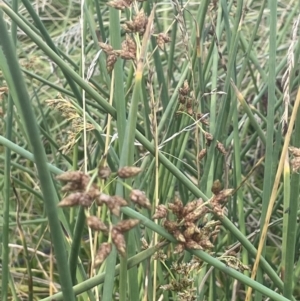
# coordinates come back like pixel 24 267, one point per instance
pixel 216 188
pixel 161 211
pixel 220 147
pixel 104 172
pixel 202 154
pixel 161 39
pixel 199 116
pixel 126 225
pixel 185 229
pixel 138 24
pixel 96 224
pixel 103 251
pixel 119 241
pixel 120 4
pixel 209 137
pixel 139 197
pixel 128 171
pixel 295 162
pixel 78 182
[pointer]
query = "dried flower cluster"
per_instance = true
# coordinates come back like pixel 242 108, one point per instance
pixel 185 98
pixel 117 236
pixel 185 226
pixel 70 113
pixel 295 162
pixel 128 52
pixel 83 192
pixel 162 39
pixel 122 4
pixel 183 283
pixel 138 24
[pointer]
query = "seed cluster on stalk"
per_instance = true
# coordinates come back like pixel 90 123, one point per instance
pixel 186 100
pixel 83 192
pixel 137 25
pixel 185 226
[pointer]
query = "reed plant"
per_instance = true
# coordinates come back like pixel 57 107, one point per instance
pixel 150 150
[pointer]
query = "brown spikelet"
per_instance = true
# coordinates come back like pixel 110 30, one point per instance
pixel 126 225
pixel 110 62
pixel 106 48
pixel 128 171
pixel 189 207
pixel 191 229
pixel 139 197
pixel 179 236
pixel 199 212
pixel 102 253
pixel 77 180
pixel 199 116
pixel 102 199
pixel 119 241
pixel 295 162
pixel 104 172
pixel 71 176
pixel 209 137
pixel 206 244
pixel 71 200
pixel 220 147
pixel 221 196
pixel 170 226
pixel 96 224
pixel 185 89
pixel 161 39
pixel 202 154
pixel 179 248
pixel 191 244
pixel 161 211
pixel 119 4
pixel 119 200
pixel 216 188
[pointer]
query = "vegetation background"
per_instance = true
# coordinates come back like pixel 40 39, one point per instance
pixel 178 123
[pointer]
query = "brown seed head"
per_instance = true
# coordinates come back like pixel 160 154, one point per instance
pixel 126 225
pixel 185 89
pixel 106 48
pixel 71 200
pixel 119 4
pixel 161 211
pixel 204 121
pixel 140 22
pixel 191 244
pixel 190 230
pixel 221 197
pixel 102 253
pixel 216 188
pixel 139 197
pixel 170 226
pixel 161 39
pixel 189 207
pixel 209 137
pixel 128 171
pixel 119 200
pixel 202 154
pixel 96 224
pixel 179 248
pixel 110 62
pixel 220 147
pixel 104 172
pixel 179 236
pixel 119 241
pixel 102 199
pixel 206 244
